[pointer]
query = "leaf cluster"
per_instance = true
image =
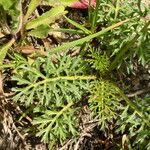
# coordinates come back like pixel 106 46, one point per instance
pixel 130 123
pixel 99 61
pixel 53 89
pixel 104 101
pixel 130 41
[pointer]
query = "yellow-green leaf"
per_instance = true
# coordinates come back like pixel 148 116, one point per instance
pixel 40 32
pixel 4 49
pixel 32 6
pixel 47 18
pixel 77 25
pixel 6 3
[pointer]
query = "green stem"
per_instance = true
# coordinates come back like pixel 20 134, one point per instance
pixel 59 114
pixel 139 6
pixel 117 9
pixel 94 18
pixel 68 45
pixel 71 78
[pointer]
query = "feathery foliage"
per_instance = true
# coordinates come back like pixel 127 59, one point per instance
pixel 52 85
pixel 53 89
pixel 104 101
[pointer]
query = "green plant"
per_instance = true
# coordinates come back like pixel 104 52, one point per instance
pixel 99 62
pixel 54 90
pixel 130 123
pixel 123 44
pixel 104 101
pixel 52 85
pixel 20 25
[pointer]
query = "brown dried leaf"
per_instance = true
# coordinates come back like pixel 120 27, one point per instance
pixel 28 49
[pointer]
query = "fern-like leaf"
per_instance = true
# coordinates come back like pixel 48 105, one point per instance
pixel 104 101
pixel 56 123
pixel 47 83
pixel 99 61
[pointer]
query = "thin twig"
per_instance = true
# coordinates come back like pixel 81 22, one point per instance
pixel 137 93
